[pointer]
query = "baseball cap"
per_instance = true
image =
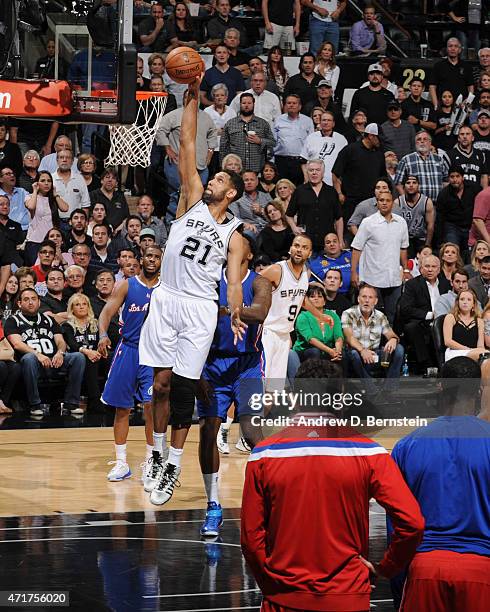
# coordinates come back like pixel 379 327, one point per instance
pixel 394 104
pixel 147 232
pixel 372 128
pixel 375 68
pixel 324 83
pixel 483 112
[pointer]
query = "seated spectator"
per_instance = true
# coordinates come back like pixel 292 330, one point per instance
pixel 78 229
pixel 257 65
pixel 123 256
pixel 275 69
pixel 367 36
pixel 326 65
pixel 145 209
pixel 268 179
pixel 147 239
pixel 450 257
pixel 52 302
pixel 250 207
pixel 324 100
pixel 9 373
pixel 267 105
pixel 26 277
pixel 357 129
pixel 87 163
pixel 181 29
pixel 41 351
pixel 482 132
pixel 480 249
pixel 480 284
pixel 47 252
pixel 43 205
pixel 82 255
pixel 417 308
pixel 16 195
pixel 304 83
pixel 220 113
pixel 75 278
pixel 364 328
pixel 315 209
pixel 10 154
pixel 29 173
pixel 232 162
pixel 416 109
pixel 11 234
pixel 221 73
pixel 443 140
pixel 397 135
pixel 221 22
pixel 49 163
pixel 464 329
pixel 45 65
pixel 333 284
pixel 70 186
pixel 418 211
pixel 103 254
pixel 130 268
pixel 373 99
pixel 238 59
pixel 276 237
pixel 104 284
pixel 332 258
pixel 81 335
pixel 483 79
pixel 368 207
pixel 98 215
pixel 112 198
pixel 62 258
pixel 314 338
pixel 153 32
pixel 8 301
pixel 130 240
pixel 445 303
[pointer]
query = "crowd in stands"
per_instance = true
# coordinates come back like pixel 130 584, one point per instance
pixel 395 200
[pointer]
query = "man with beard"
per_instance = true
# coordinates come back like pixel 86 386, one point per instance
pixel 374 98
pixel 145 209
pixel 179 329
pixel 78 230
pixel 305 83
pixel 472 161
pixel 482 132
pixel 418 211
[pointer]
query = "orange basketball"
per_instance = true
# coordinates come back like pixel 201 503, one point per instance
pixel 184 64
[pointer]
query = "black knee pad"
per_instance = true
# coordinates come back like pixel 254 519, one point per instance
pixel 182 399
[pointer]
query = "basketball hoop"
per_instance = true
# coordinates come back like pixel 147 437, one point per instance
pixel 131 144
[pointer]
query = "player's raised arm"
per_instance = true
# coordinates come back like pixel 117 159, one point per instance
pixel 112 306
pixel 191 188
pixel 273 274
pixel 235 290
pixel 259 309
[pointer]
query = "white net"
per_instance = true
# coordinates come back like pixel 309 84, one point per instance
pixel 131 144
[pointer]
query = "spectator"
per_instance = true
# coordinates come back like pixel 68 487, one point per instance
pixel 480 249
pixel 81 335
pixel 147 239
pixel 82 255
pixel 130 241
pixel 483 64
pixel 428 167
pixel 43 205
pixel 29 173
pixel 220 113
pixel 8 302
pixel 181 31
pixel 419 213
pixel 482 132
pixel 221 22
pixel 98 214
pixel 469 21
pixel 417 308
pixel 268 179
pixel 367 207
pixel 53 303
pixel 130 268
pixel 332 258
pixel 483 104
pixel 275 69
pixel 480 227
pixel 248 136
pixel 267 104
pixel 222 73
pixel 123 256
pixel 364 327
pixel 10 155
pixel 326 65
pixel 442 118
pixel 335 300
pixel 284 191
pixel 391 164
pixel 47 251
pixel 357 127
pixel 397 134
pixel 62 258
pixel 238 59
pixel 314 338
pixel 145 209
pixel 454 207
pixel 78 230
pixel 250 207
pixel 232 162
pixel 75 278
pixel 480 284
pixel 373 99
pixel 104 284
pixel 417 110
pixel 324 144
pixel 281 20
pixel 86 165
pixel 257 65
pixel 324 22
pixel 153 32
pixel 367 37
pixel 26 278
pixel 16 195
pixel 102 253
pixel 445 302
pixel 380 246
pixel 324 101
pixel 50 162
pixel 464 329
pixel 473 162
pixel 483 80
pixel 315 209
pixel 449 255
pixel 451 73
pixel 415 263
pixel 69 185
pixel 9 373
pixel 45 65
pixel 112 199
pixel 142 83
pixel 41 349
pixel 304 84
pixel 11 234
pixel 386 64
pixel 357 168
pixel 316 116
pixel 276 237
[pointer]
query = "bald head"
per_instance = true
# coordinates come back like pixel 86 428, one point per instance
pixel 430 268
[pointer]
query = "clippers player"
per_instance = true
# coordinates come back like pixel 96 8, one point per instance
pixel 178 332
pixel 127 380
pixel 234 371
pixel 289 281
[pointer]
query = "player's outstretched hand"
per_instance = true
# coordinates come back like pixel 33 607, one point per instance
pixel 103 346
pixel 237 325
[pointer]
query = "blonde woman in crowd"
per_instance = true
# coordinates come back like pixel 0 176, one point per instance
pixel 326 65
pixel 232 162
pixel 450 257
pixel 464 328
pixel 478 252
pixel 284 190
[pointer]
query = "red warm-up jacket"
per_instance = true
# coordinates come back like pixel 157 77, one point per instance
pixel 305 517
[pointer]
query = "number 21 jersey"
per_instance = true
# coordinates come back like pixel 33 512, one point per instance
pixel 196 251
pixel 287 299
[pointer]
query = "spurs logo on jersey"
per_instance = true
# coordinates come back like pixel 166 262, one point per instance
pixel 196 251
pixel 286 300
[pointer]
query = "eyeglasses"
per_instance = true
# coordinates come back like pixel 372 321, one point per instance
pixel 8 174
pixel 30 157
pixel 88 161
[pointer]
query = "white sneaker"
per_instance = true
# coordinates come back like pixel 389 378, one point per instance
pixel 77 411
pixel 37 411
pixel 153 471
pixel 242 445
pixel 222 440
pixel 164 488
pixel 120 471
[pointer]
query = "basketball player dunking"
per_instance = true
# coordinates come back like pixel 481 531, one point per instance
pixel 290 282
pixel 178 332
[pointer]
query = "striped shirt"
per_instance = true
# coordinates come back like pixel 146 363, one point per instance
pixel 431 172
pixel 368 334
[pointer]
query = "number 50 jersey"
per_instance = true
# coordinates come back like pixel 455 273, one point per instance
pixel 196 251
pixel 287 299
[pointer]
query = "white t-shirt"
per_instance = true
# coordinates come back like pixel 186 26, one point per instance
pixel 220 120
pixel 325 148
pixel 330 5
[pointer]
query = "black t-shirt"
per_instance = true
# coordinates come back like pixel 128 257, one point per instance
pixel 77 339
pixel 482 143
pixel 25 181
pixel 239 59
pixel 11 157
pixel 117 208
pixel 441 140
pixel 455 78
pixel 359 168
pixel 374 103
pixel 37 332
pixel 33 133
pixel 51 304
pixel 338 304
pixel 423 110
pixel 162 41
pixel 281 12
pixel 474 165
pixel 70 241
pixel 297 84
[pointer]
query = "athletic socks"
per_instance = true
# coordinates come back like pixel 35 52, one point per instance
pixel 121 452
pixel 159 442
pixel 175 456
pixel 149 451
pixel 228 423
pixel 211 486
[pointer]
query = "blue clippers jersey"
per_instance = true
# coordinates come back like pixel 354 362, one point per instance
pixel 134 310
pixel 447 467
pixel 223 337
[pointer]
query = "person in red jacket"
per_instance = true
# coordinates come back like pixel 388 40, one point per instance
pixel 305 513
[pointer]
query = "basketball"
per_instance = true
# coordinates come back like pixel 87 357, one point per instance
pixel 184 64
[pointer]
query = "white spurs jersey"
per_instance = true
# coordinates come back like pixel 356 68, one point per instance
pixel 287 299
pixel 196 250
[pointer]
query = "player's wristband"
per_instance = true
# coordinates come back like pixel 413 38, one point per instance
pixel 228 310
pixel 104 335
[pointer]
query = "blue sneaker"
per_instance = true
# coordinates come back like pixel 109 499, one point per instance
pixel 214 520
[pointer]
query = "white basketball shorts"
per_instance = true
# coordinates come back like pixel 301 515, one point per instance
pixel 276 351
pixel 178 333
